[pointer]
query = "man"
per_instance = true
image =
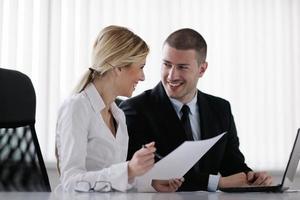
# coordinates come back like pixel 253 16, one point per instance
pixel 160 115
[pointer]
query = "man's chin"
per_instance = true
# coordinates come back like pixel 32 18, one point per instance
pixel 172 94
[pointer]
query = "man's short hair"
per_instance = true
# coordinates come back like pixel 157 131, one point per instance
pixel 186 39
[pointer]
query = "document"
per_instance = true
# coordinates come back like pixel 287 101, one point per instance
pixel 177 163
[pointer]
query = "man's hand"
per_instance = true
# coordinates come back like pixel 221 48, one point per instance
pixel 235 180
pixel 142 161
pixel 259 178
pixel 171 185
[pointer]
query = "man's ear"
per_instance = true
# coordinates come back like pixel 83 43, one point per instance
pixel 202 68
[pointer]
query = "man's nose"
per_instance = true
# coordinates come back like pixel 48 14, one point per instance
pixel 172 73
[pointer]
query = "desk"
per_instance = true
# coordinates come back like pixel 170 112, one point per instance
pixel 149 196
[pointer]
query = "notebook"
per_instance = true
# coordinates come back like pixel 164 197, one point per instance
pixel 288 176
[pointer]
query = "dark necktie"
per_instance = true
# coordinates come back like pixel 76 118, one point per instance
pixel 185 120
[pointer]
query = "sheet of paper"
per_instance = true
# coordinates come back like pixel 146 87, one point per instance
pixel 177 163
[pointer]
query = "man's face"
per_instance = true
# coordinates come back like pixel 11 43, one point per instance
pixel 180 73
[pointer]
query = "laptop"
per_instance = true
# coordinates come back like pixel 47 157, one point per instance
pixel 287 179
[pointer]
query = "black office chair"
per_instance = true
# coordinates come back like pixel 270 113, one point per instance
pixel 21 163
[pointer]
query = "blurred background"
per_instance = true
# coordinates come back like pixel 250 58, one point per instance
pixel 253 57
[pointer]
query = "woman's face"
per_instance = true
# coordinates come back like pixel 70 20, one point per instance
pixel 130 76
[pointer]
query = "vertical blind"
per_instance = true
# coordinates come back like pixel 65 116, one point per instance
pixel 253 56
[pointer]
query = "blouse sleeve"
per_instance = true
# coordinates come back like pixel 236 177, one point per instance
pixel 72 135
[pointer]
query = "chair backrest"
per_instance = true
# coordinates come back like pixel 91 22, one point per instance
pixel 21 163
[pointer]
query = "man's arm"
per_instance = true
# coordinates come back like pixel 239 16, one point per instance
pixel 233 161
pixel 234 170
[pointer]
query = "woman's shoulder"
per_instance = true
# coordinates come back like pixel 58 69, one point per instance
pixel 76 103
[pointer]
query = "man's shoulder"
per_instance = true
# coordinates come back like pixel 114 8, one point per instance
pixel 213 100
pixel 214 104
pixel 139 100
pixel 146 98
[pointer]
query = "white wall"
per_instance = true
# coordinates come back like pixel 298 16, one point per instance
pixel 253 56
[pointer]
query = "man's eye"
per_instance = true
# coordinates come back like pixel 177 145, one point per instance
pixel 167 65
pixel 182 67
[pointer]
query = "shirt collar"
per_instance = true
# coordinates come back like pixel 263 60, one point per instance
pixel 178 105
pixel 97 101
pixel 94 97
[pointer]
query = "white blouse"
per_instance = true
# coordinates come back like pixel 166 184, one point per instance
pixel 90 157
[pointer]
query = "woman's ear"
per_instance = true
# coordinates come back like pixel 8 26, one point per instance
pixel 117 70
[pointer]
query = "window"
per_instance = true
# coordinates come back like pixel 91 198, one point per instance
pixel 253 56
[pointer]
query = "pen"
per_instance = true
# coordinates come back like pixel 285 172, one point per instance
pixel 155 154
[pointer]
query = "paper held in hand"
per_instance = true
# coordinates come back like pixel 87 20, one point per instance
pixel 177 163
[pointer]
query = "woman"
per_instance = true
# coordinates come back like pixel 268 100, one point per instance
pixel 91 135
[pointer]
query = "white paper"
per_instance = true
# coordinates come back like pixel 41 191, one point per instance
pixel 177 163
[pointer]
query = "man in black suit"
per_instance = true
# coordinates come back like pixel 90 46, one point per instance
pixel 160 115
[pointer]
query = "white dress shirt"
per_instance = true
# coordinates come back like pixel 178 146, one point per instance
pixel 90 156
pixel 195 125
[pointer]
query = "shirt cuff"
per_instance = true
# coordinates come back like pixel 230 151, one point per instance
pixel 213 182
pixel 144 185
pixel 119 177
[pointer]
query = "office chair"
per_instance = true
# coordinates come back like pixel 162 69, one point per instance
pixel 21 163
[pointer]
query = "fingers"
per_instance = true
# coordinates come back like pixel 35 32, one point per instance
pixel 250 176
pixel 151 144
pixel 142 160
pixel 175 184
pixel 146 151
pixel 144 157
pixel 242 179
pixel 262 178
pixel 170 185
pixel 268 181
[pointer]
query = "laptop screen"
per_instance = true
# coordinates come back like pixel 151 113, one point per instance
pixel 292 165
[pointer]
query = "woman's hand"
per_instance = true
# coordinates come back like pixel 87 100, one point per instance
pixel 171 185
pixel 142 161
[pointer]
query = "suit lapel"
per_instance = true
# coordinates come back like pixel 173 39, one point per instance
pixel 208 122
pixel 208 127
pixel 169 121
pixel 168 116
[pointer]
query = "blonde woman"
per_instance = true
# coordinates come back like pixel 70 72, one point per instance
pixel 91 132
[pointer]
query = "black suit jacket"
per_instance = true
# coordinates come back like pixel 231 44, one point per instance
pixel 150 116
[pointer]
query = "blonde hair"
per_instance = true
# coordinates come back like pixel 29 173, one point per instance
pixel 115 46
